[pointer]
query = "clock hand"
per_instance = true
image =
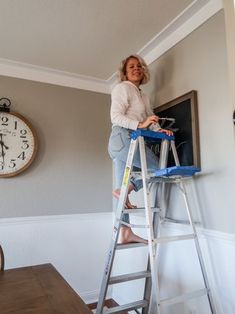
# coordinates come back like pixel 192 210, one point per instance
pixel 5 146
pixel 2 143
pixel 2 150
pixel 2 147
pixel 2 153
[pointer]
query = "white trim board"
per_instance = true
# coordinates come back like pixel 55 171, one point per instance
pixel 51 76
pixel 210 234
pixel 54 218
pixel 191 18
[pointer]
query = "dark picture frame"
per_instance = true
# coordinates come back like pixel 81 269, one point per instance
pixel 184 110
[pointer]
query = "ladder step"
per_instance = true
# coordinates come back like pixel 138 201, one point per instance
pixel 185 297
pixel 129 277
pixel 157 240
pixel 134 225
pixel 177 170
pixel 174 238
pixel 130 246
pixel 179 221
pixel 127 307
pixel 140 210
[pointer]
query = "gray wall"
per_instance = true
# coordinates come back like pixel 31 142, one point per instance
pixel 72 172
pixel 200 62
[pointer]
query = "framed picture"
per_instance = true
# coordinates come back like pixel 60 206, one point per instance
pixel 181 116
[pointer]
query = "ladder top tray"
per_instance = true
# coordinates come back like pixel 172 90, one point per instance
pixel 184 171
pixel 150 135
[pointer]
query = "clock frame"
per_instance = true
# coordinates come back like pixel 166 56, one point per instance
pixel 23 136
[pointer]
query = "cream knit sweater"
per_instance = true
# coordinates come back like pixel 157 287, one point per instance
pixel 130 106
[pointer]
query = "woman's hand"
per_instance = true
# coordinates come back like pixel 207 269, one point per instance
pixel 146 123
pixel 167 132
pixel 153 119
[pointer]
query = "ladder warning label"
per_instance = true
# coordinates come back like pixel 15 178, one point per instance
pixel 126 175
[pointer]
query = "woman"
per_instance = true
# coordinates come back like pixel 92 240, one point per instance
pixel 130 109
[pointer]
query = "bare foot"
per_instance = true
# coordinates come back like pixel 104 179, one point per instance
pixel 128 236
pixel 116 194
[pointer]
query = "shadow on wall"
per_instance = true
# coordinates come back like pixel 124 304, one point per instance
pixel 160 78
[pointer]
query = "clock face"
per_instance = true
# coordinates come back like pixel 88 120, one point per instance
pixel 17 144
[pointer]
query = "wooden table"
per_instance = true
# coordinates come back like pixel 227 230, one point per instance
pixel 38 289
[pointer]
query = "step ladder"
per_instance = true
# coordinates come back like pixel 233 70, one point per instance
pixel 151 302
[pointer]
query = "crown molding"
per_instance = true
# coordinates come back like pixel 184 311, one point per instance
pixel 51 76
pixel 190 19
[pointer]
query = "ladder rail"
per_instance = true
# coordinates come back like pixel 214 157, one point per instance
pixel 149 219
pixel 116 228
pixel 181 185
pixel 148 282
pixel 164 153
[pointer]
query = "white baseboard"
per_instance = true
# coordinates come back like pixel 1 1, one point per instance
pixel 90 296
pixel 93 296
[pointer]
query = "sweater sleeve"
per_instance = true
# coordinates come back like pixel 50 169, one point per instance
pixel 119 107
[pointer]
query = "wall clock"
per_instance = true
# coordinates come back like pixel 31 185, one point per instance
pixel 18 141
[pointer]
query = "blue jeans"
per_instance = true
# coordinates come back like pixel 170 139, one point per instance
pixel 118 147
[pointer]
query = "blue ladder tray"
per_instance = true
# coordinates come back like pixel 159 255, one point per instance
pixel 150 135
pixel 184 171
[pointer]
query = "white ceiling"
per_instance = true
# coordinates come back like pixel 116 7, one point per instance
pixel 83 39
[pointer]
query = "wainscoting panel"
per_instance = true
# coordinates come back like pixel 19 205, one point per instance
pixel 75 244
pixel 180 271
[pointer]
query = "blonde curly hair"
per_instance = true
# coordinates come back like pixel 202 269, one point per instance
pixel 122 69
